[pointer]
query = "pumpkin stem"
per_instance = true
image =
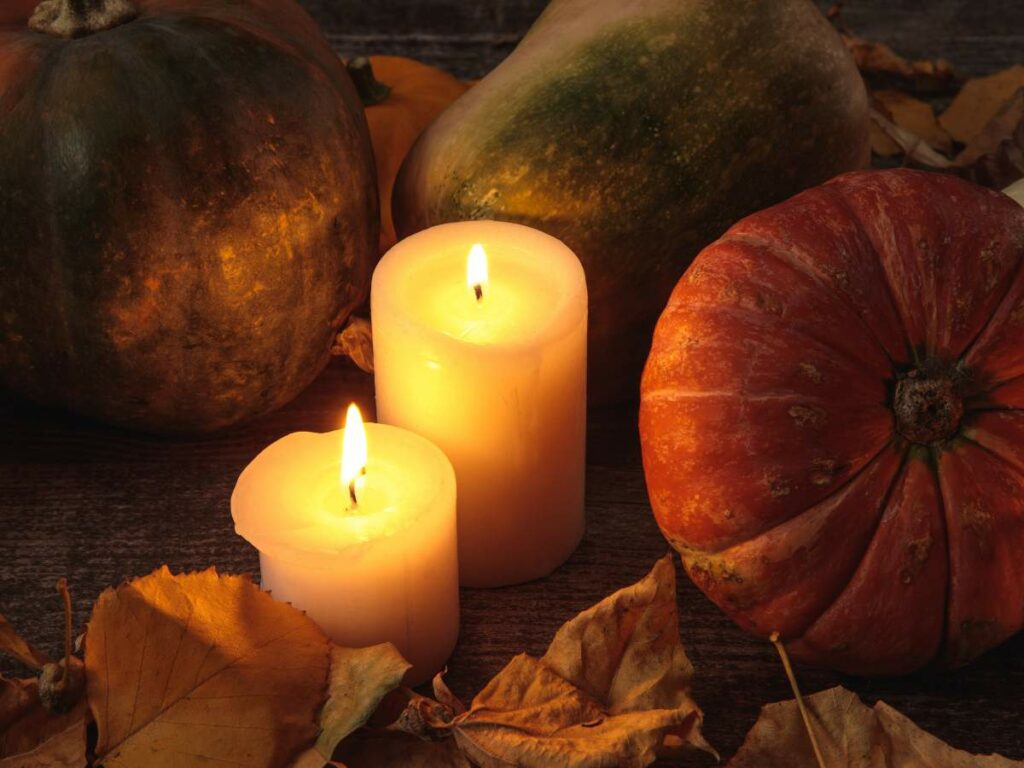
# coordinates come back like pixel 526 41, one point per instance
pixel 371 90
pixel 77 18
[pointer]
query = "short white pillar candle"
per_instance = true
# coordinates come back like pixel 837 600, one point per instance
pixel 371 558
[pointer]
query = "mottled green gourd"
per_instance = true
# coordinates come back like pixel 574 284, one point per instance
pixel 188 207
pixel 637 131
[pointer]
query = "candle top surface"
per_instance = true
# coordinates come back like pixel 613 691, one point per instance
pixel 290 503
pixel 534 287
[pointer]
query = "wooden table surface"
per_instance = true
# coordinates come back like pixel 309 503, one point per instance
pixel 98 505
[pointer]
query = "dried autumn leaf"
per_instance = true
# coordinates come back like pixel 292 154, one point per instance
pixel 912 115
pixel 1016 191
pixel 16 646
pixel 360 678
pixel 913 146
pixel 1000 128
pixel 877 61
pixel 202 669
pixel 445 697
pixel 391 749
pixel 613 685
pixel 31 736
pixel 356 343
pixel 851 735
pixel 979 101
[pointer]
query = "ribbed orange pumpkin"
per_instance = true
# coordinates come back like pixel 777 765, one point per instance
pixel 832 421
pixel 402 98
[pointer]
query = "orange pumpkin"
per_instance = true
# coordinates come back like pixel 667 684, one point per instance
pixel 832 420
pixel 402 98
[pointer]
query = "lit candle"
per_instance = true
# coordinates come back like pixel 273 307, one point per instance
pixel 480 339
pixel 357 528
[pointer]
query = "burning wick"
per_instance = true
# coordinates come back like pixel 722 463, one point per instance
pixel 476 271
pixel 353 452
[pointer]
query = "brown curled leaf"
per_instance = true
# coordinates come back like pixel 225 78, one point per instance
pixel 612 688
pixel 980 100
pixel 851 735
pixel 880 64
pixel 356 343
pixel 14 645
pixel 910 114
pixel 33 737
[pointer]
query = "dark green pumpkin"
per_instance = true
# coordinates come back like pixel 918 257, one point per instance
pixel 188 208
pixel 637 132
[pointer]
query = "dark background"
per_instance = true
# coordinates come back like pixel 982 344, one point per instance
pixel 469 37
pixel 99 506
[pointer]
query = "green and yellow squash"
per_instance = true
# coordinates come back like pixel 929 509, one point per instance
pixel 637 131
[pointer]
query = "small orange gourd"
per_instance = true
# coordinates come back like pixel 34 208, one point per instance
pixel 402 98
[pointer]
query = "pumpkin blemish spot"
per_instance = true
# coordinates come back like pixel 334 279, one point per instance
pixel 811 373
pixel 777 486
pixel 808 416
pixel 917 552
pixel 823 471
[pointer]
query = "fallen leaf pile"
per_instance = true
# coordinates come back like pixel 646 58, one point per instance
pixel 979 136
pixel 612 689
pixel 202 669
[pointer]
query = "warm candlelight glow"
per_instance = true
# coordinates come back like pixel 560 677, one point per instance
pixel 476 270
pixel 353 450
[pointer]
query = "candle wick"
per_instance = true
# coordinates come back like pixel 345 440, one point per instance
pixel 352 493
pixel 479 291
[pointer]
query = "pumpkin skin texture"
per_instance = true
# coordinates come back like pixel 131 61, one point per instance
pixel 636 133
pixel 188 211
pixel 832 421
pixel 419 93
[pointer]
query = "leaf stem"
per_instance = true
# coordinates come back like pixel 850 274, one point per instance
pixel 774 637
pixel 62 587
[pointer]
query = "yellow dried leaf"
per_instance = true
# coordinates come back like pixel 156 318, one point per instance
pixel 31 736
pixel 360 678
pixel 14 645
pixel 851 735
pixel 910 114
pixel 979 101
pixel 201 669
pixel 613 685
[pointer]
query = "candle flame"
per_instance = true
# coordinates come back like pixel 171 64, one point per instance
pixel 353 450
pixel 476 270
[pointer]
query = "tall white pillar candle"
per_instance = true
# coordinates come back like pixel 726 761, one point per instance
pixel 370 560
pixel 490 364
